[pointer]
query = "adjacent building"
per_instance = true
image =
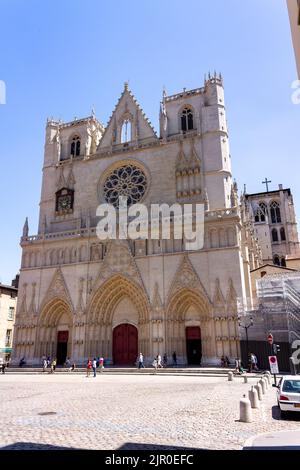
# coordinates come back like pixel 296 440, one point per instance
pixel 274 222
pixel 8 306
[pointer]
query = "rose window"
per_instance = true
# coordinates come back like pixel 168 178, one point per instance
pixel 128 181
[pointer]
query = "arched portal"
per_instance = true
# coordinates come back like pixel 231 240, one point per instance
pixel 125 344
pixel 189 329
pixel 55 331
pixel 119 301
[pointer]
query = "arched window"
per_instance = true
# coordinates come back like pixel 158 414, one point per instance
pixel 64 201
pixel 75 146
pixel 275 212
pixel 260 213
pixel 276 260
pixel 126 131
pixel 187 120
pixel 283 262
pixel 282 234
pixel 274 235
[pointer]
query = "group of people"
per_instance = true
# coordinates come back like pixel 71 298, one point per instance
pixel 238 367
pixel 93 364
pixel 224 361
pixel 158 362
pixel 49 363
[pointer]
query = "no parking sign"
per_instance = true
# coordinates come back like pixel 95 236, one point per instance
pixel 273 365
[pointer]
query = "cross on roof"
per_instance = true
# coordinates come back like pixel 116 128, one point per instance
pixel 266 181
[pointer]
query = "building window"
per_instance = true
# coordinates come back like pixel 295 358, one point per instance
pixel 128 181
pixel 126 131
pixel 283 263
pixel 187 120
pixel 282 234
pixel 260 213
pixel 64 201
pixel 75 146
pixel 11 313
pixel 263 273
pixel 8 338
pixel 274 235
pixel 276 260
pixel 275 213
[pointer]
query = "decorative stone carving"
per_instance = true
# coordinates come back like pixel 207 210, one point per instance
pixel 186 277
pixel 57 289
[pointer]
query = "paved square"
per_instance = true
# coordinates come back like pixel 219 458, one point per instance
pixel 125 411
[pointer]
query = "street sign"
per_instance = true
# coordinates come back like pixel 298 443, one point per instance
pixel 273 365
pixel 270 338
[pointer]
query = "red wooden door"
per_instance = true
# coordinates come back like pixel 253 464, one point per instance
pixel 193 345
pixel 125 344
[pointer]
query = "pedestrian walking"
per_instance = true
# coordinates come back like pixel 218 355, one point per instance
pixel 154 363
pixel 174 357
pixel 159 364
pixel 165 360
pixel 45 365
pixel 2 365
pixel 88 367
pixel 94 365
pixel 53 366
pixel 68 364
pixel 101 364
pixel 141 361
pixel 254 361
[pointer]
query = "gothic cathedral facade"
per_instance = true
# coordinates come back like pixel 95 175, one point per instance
pixel 82 297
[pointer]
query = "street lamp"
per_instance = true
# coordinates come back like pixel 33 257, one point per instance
pixel 246 329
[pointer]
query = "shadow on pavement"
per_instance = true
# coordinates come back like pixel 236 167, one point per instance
pixel 290 416
pixel 144 446
pixel 35 446
pixel 126 446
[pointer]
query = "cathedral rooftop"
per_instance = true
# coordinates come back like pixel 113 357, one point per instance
pixel 265 193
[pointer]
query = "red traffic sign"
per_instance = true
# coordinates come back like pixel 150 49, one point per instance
pixel 270 338
pixel 273 365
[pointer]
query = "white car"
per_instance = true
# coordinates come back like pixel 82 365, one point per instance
pixel 288 394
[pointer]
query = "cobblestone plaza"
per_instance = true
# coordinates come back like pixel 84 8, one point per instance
pixel 130 412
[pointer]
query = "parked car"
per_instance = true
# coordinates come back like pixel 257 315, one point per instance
pixel 288 394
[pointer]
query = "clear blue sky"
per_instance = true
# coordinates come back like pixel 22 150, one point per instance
pixel 59 58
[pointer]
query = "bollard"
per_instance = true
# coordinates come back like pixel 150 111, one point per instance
pixel 259 391
pixel 253 397
pixel 266 382
pixel 263 386
pixel 269 379
pixel 230 376
pixel 245 410
pixel 245 379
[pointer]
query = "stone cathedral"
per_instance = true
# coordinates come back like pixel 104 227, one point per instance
pixel 81 297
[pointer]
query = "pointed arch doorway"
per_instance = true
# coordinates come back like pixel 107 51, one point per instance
pixel 125 344
pixel 193 345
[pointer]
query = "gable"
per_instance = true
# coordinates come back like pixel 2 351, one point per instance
pixel 127 108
